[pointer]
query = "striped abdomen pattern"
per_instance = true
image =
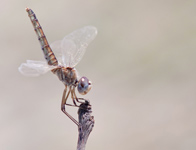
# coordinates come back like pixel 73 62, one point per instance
pixel 48 53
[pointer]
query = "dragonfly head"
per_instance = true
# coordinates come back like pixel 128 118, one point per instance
pixel 84 85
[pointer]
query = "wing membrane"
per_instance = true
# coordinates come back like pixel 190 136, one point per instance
pixel 56 48
pixel 34 68
pixel 71 49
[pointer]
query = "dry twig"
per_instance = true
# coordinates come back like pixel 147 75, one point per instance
pixel 86 124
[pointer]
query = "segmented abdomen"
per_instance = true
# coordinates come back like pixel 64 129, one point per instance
pixel 48 53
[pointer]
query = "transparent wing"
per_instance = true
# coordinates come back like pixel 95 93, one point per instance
pixel 56 48
pixel 70 50
pixel 34 68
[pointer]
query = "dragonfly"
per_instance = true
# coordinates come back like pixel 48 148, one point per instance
pixel 61 58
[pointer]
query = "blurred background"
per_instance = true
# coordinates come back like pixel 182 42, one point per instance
pixel 142 65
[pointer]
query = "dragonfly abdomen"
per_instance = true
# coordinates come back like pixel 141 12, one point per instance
pixel 48 53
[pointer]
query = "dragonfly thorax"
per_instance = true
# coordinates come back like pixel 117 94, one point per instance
pixel 67 75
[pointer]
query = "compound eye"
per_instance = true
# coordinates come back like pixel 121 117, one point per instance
pixel 84 85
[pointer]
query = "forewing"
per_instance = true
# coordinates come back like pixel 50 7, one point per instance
pixel 73 46
pixel 34 68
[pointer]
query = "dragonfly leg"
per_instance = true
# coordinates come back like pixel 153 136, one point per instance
pixel 77 99
pixel 72 105
pixel 73 97
pixel 70 117
pixel 64 99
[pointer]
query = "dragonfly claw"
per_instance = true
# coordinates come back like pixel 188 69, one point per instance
pixel 63 107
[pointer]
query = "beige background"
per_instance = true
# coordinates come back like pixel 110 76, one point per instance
pixel 142 65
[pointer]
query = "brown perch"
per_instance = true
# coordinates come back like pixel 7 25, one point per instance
pixel 86 124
